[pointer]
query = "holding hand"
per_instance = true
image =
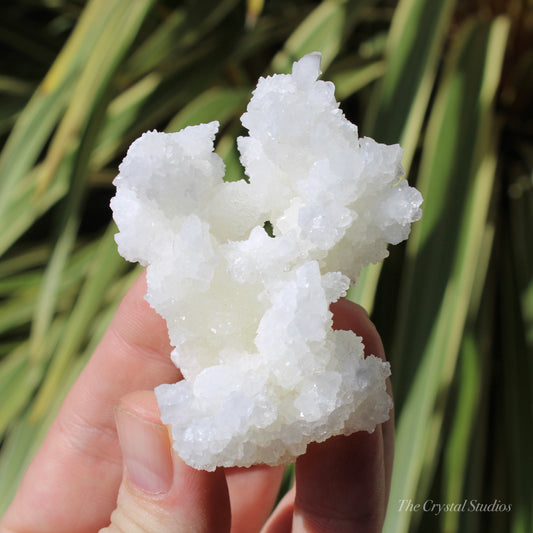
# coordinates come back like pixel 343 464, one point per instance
pixel 107 440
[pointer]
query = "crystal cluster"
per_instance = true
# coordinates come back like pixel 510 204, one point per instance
pixel 248 313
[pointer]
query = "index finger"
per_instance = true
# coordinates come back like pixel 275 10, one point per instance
pixel 342 484
pixel 71 484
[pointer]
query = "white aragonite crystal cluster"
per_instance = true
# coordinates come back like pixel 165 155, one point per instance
pixel 248 313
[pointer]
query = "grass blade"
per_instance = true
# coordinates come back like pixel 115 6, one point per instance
pixel 414 49
pixel 437 292
pixel 40 116
pixel 105 266
pixel 214 104
pixel 323 30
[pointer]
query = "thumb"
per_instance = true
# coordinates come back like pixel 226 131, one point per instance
pixel 159 492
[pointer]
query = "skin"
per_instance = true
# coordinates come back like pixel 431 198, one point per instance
pixel 77 482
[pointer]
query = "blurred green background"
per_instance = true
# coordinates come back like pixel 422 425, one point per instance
pixel 451 80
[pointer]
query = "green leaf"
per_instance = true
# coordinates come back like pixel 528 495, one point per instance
pixel 398 107
pixel 218 103
pixel 458 161
pixel 105 265
pixel 350 80
pixel 460 440
pixel 416 39
pixel 44 109
pixel 322 31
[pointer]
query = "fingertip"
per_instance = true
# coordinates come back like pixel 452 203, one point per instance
pixel 350 316
pixel 142 403
pixel 145 448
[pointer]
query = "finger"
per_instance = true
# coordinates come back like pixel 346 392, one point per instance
pixel 159 492
pixel 80 460
pixel 253 493
pixel 350 316
pixel 281 520
pixel 340 485
pixel 347 315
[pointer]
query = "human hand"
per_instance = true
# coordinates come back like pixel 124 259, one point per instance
pixel 71 486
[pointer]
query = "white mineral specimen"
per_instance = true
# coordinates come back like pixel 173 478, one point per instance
pixel 248 314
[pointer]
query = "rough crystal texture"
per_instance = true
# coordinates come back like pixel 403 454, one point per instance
pixel 248 314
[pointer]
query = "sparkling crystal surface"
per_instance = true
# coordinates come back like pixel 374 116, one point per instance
pixel 248 314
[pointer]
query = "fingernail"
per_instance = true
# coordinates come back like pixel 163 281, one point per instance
pixel 146 451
